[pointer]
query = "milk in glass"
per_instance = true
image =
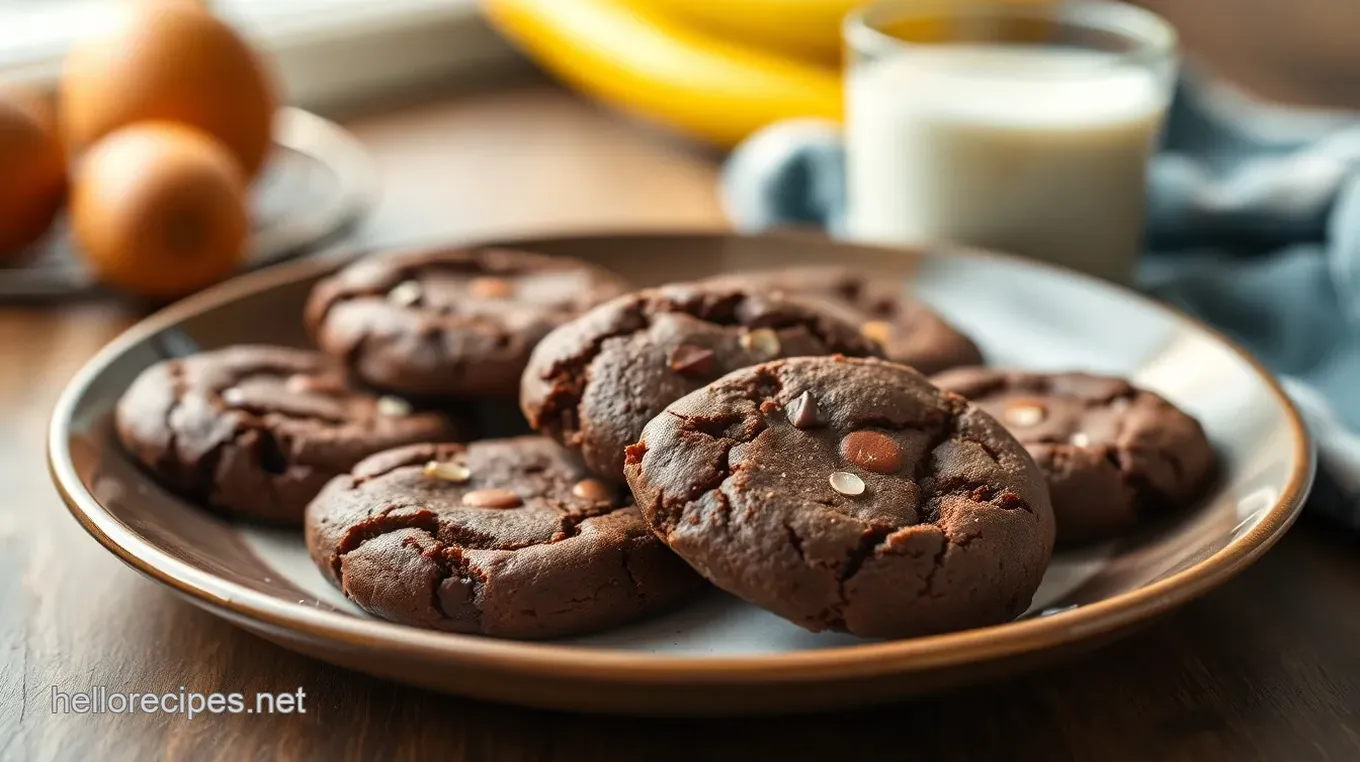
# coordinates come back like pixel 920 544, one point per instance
pixel 1040 151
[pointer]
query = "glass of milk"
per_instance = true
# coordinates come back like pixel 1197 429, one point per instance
pixel 1018 126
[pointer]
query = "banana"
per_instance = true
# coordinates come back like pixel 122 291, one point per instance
pixel 808 30
pixel 803 29
pixel 636 58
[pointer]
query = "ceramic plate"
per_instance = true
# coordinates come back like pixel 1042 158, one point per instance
pixel 718 654
pixel 318 181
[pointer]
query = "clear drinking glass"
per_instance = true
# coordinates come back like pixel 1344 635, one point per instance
pixel 1017 126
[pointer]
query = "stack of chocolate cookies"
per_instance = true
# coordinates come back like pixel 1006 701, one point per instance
pixel 772 434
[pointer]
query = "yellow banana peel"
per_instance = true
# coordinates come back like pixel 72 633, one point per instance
pixel 808 30
pixel 803 29
pixel 631 55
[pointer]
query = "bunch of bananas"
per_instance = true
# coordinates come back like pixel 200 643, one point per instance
pixel 716 70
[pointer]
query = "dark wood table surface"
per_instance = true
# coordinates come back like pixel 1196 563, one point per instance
pixel 1267 667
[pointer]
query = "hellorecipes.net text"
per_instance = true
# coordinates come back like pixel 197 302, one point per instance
pixel 100 700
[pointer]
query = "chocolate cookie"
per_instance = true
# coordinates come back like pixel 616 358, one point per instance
pixel 849 495
pixel 450 321
pixel 507 537
pixel 595 382
pixel 909 331
pixel 1112 453
pixel 258 430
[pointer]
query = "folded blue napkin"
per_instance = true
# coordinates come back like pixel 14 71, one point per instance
pixel 1254 227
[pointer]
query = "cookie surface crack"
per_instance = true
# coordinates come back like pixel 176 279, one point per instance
pixel 936 565
pixel 560 409
pixel 869 544
pixel 381 523
pixel 795 541
pixel 454 565
pixel 626 562
pixel 926 473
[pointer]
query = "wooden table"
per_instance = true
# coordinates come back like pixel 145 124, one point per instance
pixel 1266 668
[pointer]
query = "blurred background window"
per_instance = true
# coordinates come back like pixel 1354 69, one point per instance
pixel 326 52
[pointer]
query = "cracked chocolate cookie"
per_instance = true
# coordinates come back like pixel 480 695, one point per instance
pixel 507 537
pixel 909 331
pixel 847 494
pixel 1113 454
pixel 595 382
pixel 450 322
pixel 257 430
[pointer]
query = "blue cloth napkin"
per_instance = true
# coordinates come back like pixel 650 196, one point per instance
pixel 1254 226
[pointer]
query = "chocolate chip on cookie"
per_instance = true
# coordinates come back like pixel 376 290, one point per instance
pixel 450 321
pixel 595 382
pixel 909 331
pixel 903 511
pixel 1112 453
pixel 506 537
pixel 257 430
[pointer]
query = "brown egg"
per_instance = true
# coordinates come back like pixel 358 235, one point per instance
pixel 159 210
pixel 168 61
pixel 32 173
